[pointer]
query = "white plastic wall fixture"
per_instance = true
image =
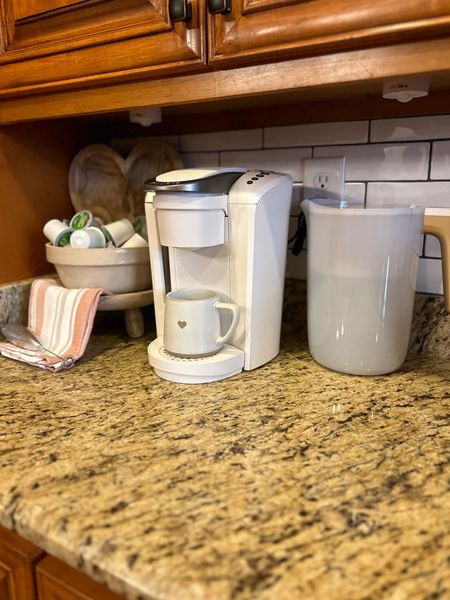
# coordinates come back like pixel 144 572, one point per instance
pixel 404 89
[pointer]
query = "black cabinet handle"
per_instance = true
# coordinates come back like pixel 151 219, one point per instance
pixel 219 7
pixel 180 10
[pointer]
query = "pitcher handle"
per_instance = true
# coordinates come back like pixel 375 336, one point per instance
pixel 236 313
pixel 437 222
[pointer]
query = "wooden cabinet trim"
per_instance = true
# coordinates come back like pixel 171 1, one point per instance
pixel 27 8
pixel 17 560
pixel 173 50
pixel 250 6
pixel 4 591
pixel 6 25
pixel 56 580
pixel 19 546
pixel 85 26
pixel 162 54
pixel 351 70
pixel 263 29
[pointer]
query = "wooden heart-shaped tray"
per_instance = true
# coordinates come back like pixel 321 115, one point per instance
pixel 111 187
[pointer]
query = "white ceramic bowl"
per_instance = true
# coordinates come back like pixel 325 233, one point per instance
pixel 119 270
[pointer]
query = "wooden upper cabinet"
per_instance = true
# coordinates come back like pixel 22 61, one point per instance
pixel 57 45
pixel 46 45
pixel 26 8
pixel 261 30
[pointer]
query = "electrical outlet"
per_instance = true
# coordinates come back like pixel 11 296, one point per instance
pixel 324 178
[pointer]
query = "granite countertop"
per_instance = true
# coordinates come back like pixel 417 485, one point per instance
pixel 287 482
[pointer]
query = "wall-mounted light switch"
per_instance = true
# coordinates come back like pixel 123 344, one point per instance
pixel 324 178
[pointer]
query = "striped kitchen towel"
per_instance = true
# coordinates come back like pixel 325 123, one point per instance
pixel 61 319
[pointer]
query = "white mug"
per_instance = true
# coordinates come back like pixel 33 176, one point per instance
pixel 192 322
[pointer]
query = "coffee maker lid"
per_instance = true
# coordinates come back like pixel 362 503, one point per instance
pixel 214 180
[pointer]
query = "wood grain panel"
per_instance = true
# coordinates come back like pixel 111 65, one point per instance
pixel 302 79
pixel 250 6
pixel 17 560
pixel 284 29
pixel 131 59
pixel 34 162
pixel 3 585
pixel 25 8
pixel 58 581
pixel 88 24
pixel 103 42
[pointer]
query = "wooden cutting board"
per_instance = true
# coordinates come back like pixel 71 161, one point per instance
pixel 111 187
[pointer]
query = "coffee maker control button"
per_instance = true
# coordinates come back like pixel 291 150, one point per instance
pixel 255 178
pixel 249 181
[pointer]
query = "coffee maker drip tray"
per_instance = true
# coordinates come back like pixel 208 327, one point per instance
pixel 226 363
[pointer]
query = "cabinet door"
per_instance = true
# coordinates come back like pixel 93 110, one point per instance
pixel 3 585
pixel 57 581
pixel 17 559
pixel 259 30
pixel 80 43
pixel 26 8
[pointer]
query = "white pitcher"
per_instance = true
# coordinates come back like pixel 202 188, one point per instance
pixel 362 269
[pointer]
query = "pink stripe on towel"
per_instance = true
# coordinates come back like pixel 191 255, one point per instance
pixel 61 319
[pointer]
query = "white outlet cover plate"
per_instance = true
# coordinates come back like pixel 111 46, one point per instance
pixel 324 178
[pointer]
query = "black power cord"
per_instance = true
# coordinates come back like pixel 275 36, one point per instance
pixel 298 239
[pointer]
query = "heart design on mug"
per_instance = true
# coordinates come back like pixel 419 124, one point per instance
pixel 182 324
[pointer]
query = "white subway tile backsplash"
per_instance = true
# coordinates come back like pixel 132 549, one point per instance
pixel 200 159
pixel 414 128
pixel 429 276
pixel 222 140
pixel 355 193
pixel 440 160
pixel 317 134
pixel 423 193
pixel 288 161
pixel 378 162
pixel 399 169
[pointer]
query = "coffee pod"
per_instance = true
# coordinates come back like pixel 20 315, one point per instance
pixel 135 241
pixel 57 232
pixel 140 226
pixel 89 237
pixel 82 219
pixel 100 222
pixel 118 232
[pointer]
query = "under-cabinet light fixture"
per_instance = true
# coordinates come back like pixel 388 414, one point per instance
pixel 405 89
pixel 146 116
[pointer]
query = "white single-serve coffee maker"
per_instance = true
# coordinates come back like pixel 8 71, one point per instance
pixel 224 230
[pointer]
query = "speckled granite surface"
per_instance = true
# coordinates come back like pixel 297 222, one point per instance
pixel 287 482
pixel 14 302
